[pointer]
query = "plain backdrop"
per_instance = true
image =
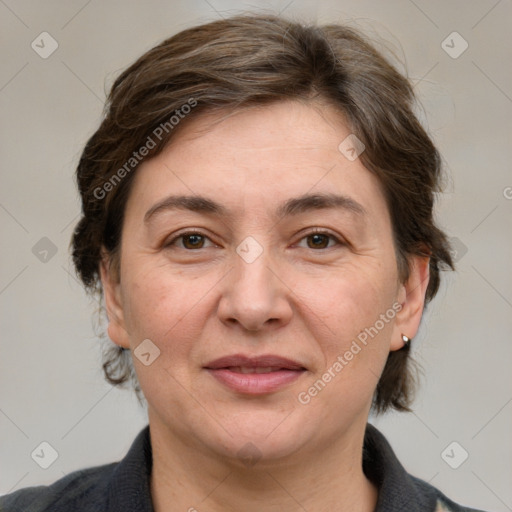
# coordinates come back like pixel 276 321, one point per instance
pixel 52 388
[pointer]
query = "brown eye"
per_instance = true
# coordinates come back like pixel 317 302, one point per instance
pixel 318 241
pixel 193 241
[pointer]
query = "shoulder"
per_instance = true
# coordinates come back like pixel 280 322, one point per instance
pixel 399 490
pixel 442 503
pixel 120 486
pixel 80 491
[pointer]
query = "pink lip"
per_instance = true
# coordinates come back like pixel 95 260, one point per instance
pixel 255 383
pixel 264 360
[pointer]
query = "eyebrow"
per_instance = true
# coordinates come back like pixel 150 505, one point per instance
pixel 198 204
pixel 293 206
pixel 309 202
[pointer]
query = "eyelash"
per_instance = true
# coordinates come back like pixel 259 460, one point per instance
pixel 311 233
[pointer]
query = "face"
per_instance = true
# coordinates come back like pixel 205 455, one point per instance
pixel 255 239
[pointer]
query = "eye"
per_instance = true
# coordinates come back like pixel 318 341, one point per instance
pixel 190 240
pixel 320 240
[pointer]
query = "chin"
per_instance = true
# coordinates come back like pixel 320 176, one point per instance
pixel 260 436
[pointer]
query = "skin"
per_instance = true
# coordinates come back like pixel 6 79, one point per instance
pixel 304 298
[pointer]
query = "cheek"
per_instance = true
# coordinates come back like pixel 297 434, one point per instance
pixel 347 303
pixel 171 309
pixel 347 315
pixel 157 304
pixel 354 349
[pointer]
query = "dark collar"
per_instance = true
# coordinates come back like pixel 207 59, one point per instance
pixel 397 489
pixel 129 489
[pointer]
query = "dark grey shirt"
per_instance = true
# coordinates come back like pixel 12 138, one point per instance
pixel 124 486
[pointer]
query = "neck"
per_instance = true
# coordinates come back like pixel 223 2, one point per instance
pixel 185 478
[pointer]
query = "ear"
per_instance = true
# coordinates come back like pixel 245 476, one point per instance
pixel 411 297
pixel 112 293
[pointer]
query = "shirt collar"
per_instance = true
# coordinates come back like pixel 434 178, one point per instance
pixel 129 489
pixel 397 489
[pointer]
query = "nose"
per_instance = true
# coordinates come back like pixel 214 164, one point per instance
pixel 255 297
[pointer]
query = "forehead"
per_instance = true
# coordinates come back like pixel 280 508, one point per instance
pixel 258 157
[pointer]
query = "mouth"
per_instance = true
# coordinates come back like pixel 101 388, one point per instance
pixel 255 375
pixel 257 369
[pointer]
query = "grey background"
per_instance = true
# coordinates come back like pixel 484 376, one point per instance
pixel 51 381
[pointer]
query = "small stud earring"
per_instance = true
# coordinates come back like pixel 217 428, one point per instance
pixel 406 340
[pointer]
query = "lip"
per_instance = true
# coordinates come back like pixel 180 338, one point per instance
pixel 261 361
pixel 255 383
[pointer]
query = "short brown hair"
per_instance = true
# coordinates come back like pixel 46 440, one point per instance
pixel 256 60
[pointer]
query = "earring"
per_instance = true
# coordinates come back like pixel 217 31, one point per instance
pixel 406 340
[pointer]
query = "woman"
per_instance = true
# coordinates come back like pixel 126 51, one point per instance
pixel 257 215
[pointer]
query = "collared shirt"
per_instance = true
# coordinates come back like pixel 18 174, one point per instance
pixel 124 486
